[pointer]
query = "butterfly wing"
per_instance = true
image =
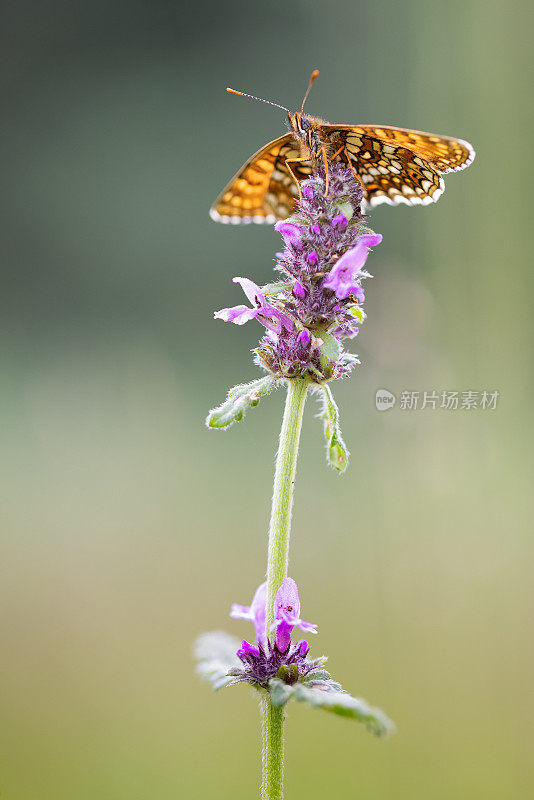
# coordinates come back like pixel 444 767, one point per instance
pixel 263 190
pixel 445 153
pixel 399 166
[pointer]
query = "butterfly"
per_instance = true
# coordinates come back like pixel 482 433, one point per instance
pixel 394 165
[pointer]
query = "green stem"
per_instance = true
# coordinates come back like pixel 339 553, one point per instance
pixel 278 556
pixel 272 751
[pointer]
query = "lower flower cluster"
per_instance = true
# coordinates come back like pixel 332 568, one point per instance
pixel 319 301
pixel 280 667
pixel 261 665
pixel 279 659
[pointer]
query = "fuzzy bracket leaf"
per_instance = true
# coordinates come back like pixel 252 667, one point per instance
pixel 335 701
pixel 238 401
pixel 337 453
pixel 215 654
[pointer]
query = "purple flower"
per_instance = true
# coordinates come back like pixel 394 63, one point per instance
pixel 321 267
pixel 287 614
pixel 340 222
pixel 256 612
pixel 342 278
pixel 247 650
pixel 290 232
pixel 304 337
pixel 303 647
pixel 278 659
pixel 269 316
pixel 299 290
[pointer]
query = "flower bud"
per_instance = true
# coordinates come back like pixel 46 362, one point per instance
pixel 291 233
pixel 340 222
pixel 304 337
pixel 303 647
pixel 299 290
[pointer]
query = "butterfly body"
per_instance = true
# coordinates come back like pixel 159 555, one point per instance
pixel 308 134
pixel 394 165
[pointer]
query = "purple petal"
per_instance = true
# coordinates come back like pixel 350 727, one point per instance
pixel 370 239
pixel 312 258
pixel 249 649
pixel 304 337
pixel 290 232
pixel 270 317
pixel 259 611
pixel 286 602
pixel 307 627
pixel 237 314
pixel 342 276
pixel 241 612
pixel 287 614
pixel 353 260
pixel 307 192
pixel 252 291
pixel 340 221
pixel 299 290
pixel 315 229
pixel 255 613
pixel 303 647
pixel 283 635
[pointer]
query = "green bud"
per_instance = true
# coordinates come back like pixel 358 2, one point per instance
pixel 238 401
pixel 337 454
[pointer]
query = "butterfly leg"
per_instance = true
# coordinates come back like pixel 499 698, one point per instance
pixel 349 160
pixel 289 161
pixel 353 168
pixel 327 182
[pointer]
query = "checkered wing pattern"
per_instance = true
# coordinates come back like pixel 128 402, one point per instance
pixel 445 153
pixel 263 190
pixel 396 165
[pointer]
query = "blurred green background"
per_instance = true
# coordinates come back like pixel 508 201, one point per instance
pixel 129 528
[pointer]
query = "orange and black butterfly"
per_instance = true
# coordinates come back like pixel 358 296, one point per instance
pixel 394 165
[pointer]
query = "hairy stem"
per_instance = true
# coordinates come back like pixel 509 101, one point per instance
pixel 272 751
pixel 278 556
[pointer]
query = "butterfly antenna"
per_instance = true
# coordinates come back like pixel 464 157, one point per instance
pixel 314 75
pixel 269 102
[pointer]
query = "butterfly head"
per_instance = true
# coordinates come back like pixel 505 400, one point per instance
pixel 306 130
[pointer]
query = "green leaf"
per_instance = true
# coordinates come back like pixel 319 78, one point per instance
pixel 280 692
pixel 324 681
pixel 320 661
pixel 331 347
pixel 272 289
pixel 238 401
pixel 346 209
pixel 330 697
pixel 344 705
pixel 357 312
pixel 337 454
pixel 215 653
pixel 318 674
